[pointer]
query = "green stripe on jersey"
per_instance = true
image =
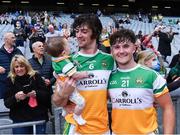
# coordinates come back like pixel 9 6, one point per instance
pixel 66 128
pixel 99 61
pixel 58 66
pixel 160 90
pixel 139 77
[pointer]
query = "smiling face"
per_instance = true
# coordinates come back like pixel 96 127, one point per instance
pixel 84 36
pixel 123 54
pixel 88 28
pixel 19 69
pixel 123 48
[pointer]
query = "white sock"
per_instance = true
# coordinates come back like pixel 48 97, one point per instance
pixel 79 119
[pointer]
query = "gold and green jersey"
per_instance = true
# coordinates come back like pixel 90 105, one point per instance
pixel 62 65
pixel 132 95
pixel 94 90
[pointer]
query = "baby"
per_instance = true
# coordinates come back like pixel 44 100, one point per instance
pixel 63 67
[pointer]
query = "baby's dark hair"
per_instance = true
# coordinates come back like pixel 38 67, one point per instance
pixel 56 46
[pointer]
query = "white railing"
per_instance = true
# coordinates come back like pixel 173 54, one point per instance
pixel 23 124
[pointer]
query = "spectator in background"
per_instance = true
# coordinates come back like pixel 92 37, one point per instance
pixel 59 26
pixel 178 21
pixel 65 32
pixel 140 17
pixel 104 41
pixel 121 21
pixel 149 18
pixel 43 64
pixel 165 39
pixel 46 18
pixel 52 32
pixel 98 13
pixel 36 35
pixel 20 36
pixel 127 19
pixel 5 21
pixel 173 78
pixel 150 59
pixel 7 51
pixel 174 85
pixel 138 49
pixel 33 20
pixel 27 28
pixel 160 17
pixel 26 96
pixel 139 35
pixel 174 60
pixel 54 21
pixel 146 42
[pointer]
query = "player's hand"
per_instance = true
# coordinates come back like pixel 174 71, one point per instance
pixel 69 86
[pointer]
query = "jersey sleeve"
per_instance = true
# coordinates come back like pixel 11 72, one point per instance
pixel 159 86
pixel 69 69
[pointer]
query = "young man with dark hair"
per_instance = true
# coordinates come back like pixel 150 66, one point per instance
pixel 94 90
pixel 133 89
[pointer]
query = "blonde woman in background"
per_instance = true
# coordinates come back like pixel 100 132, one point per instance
pixel 150 59
pixel 26 96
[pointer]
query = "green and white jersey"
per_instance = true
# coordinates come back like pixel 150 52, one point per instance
pixel 94 90
pixel 100 64
pixel 63 66
pixel 132 95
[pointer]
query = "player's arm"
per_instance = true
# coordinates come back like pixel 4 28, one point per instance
pixel 60 97
pixel 166 104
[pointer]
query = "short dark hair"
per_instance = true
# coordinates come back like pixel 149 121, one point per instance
pixel 122 35
pixel 55 46
pixel 92 21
